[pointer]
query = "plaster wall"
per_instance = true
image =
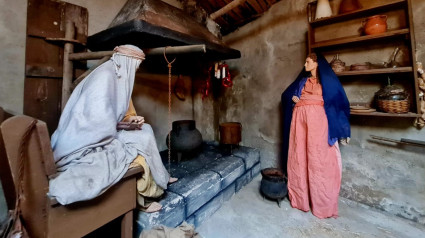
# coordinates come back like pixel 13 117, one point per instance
pixel 386 176
pixel 12 53
pixel 12 45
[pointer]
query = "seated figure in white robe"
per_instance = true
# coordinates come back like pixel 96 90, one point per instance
pixel 90 153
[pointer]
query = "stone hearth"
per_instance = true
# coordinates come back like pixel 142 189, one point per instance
pixel 205 182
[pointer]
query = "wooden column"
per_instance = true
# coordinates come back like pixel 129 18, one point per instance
pixel 67 63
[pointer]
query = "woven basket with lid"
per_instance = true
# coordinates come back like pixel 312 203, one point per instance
pixel 392 99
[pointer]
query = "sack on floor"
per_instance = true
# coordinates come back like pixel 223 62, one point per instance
pixel 183 231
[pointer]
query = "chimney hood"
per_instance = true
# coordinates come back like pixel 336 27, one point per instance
pixel 153 23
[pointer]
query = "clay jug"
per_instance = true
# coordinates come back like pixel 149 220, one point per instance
pixel 349 6
pixel 323 9
pixel 375 24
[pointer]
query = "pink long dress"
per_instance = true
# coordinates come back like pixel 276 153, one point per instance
pixel 314 167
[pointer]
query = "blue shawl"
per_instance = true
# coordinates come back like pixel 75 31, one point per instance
pixel 336 105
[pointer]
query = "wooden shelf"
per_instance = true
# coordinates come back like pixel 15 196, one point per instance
pixel 376 71
pixel 352 39
pixel 363 12
pixel 403 35
pixel 384 114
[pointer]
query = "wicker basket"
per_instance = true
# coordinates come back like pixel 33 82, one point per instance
pixel 394 106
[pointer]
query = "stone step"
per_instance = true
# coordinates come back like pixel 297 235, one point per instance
pixel 205 182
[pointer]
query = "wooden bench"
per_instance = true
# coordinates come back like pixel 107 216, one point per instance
pixel 43 216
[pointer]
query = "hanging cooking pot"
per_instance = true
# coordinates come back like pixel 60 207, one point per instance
pixel 184 136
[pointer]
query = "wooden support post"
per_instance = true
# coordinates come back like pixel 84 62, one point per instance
pixel 68 66
pixel 148 52
pixel 226 9
pixel 127 225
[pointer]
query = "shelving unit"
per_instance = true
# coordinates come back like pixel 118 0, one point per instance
pixel 363 12
pixel 403 32
pixel 375 71
pixel 352 39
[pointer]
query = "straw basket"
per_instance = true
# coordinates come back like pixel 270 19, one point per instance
pixel 394 106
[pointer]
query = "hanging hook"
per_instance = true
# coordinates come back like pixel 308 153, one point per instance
pixel 165 56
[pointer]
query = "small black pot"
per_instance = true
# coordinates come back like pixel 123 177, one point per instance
pixel 273 184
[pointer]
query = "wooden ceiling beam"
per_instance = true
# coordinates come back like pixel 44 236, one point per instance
pixel 263 4
pixel 229 7
pixel 254 4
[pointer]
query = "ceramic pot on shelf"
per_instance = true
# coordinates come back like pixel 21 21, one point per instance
pixel 337 64
pixel 349 6
pixel 323 9
pixel 375 24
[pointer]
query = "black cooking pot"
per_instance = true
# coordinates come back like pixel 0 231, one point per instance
pixel 273 184
pixel 184 136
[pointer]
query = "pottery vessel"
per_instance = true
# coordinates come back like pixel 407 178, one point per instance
pixel 184 136
pixel 349 6
pixel 230 133
pixel 273 184
pixel 323 9
pixel 337 64
pixel 375 25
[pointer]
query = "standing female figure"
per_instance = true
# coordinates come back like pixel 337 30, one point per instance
pixel 316 114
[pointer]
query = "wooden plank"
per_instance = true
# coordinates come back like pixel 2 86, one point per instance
pixel 87 216
pixel 412 47
pixel 254 4
pixel 44 18
pixel 249 10
pixel 227 8
pixel 376 71
pixel 384 114
pixel 234 14
pixel 42 100
pixel 46 149
pixel 127 225
pixel 207 6
pixel 358 13
pixel 351 39
pixel 263 4
pixel 68 66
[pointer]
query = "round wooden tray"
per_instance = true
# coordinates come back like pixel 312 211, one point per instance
pixel 368 110
pixel 359 107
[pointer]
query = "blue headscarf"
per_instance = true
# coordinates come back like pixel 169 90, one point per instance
pixel 336 105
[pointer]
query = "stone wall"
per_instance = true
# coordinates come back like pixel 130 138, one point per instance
pixel 386 176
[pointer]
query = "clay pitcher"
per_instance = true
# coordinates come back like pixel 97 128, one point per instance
pixel 375 24
pixel 323 9
pixel 349 6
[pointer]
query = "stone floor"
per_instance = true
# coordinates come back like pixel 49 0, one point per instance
pixel 248 215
